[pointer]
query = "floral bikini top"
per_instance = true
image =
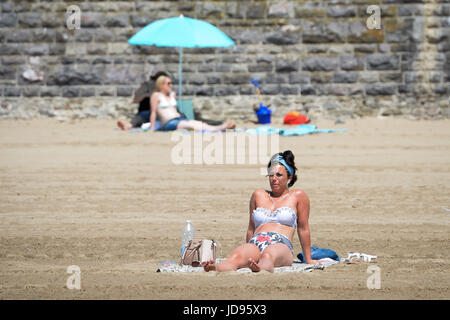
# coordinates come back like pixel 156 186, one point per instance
pixel 282 215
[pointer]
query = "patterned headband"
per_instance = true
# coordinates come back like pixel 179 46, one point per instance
pixel 280 159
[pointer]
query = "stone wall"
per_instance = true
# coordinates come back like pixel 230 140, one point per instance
pixel 317 57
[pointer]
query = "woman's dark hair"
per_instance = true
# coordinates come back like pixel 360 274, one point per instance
pixel 158 74
pixel 289 157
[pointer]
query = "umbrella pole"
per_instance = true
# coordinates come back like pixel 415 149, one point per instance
pixel 180 80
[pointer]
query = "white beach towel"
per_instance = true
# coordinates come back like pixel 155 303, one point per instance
pixel 297 266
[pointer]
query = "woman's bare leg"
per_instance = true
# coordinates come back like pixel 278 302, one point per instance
pixel 275 255
pixel 239 258
pixel 199 125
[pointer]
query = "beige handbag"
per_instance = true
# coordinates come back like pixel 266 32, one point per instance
pixel 198 251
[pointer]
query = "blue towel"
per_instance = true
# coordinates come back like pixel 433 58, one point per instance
pixel 319 253
pixel 299 130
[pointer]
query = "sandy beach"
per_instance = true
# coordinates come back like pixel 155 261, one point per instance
pixel 113 203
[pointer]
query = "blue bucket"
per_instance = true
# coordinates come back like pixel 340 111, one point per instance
pixel 263 114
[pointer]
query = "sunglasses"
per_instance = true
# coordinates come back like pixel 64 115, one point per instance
pixel 276 174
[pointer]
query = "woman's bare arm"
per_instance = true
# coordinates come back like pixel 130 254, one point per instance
pixel 251 224
pixel 304 233
pixel 154 103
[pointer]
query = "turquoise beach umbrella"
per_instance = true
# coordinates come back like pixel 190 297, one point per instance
pixel 181 32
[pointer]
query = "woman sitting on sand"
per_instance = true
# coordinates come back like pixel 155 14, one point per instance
pixel 274 216
pixel 163 104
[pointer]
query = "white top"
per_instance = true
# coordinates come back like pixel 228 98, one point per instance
pixel 165 101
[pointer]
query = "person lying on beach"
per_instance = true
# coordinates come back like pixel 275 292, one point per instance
pixel 163 105
pixel 274 217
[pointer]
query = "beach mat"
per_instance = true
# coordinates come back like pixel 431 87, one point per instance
pixel 299 130
pixel 297 266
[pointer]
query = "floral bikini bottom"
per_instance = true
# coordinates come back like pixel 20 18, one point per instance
pixel 264 239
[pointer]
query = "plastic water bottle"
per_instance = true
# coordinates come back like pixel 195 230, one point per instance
pixel 187 234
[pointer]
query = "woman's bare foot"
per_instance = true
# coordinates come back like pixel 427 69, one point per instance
pixel 253 265
pixel 226 125
pixel 230 125
pixel 209 265
pixel 124 126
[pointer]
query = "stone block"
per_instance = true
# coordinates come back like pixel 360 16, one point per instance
pixel 52 20
pixel 30 19
pixel 11 92
pixel 236 78
pixel 251 36
pixel 206 68
pixel 31 91
pixel 97 48
pixel 320 64
pixel 70 92
pixel 104 35
pixel 14 60
pixel 350 62
pixel 75 49
pixel 71 76
pixel 50 91
pixel 282 38
pixel 445 22
pixel 213 79
pixel 124 91
pixel 341 11
pixel 19 36
pixel 140 20
pixel 105 92
pixel 404 88
pixel 275 78
pixel 11 49
pixel 391 77
pixel 260 67
pixel 225 90
pixel 307 90
pixel 119 48
pixel 381 90
pixel 309 11
pixel 286 65
pixel 299 78
pixel 289 90
pixel 256 11
pixel 8 20
pixel 84 35
pixel 37 49
pixel 345 77
pixel 7 7
pixel 122 74
pixel 270 89
pixel 411 77
pixel 321 77
pixel 368 77
pixel 246 90
pixel 43 35
pixel 102 60
pixel 440 89
pixel 358 33
pixel 92 19
pixel 435 77
pixel 117 20
pixel 282 9
pixel 382 62
pixel 210 10
pixel 409 10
